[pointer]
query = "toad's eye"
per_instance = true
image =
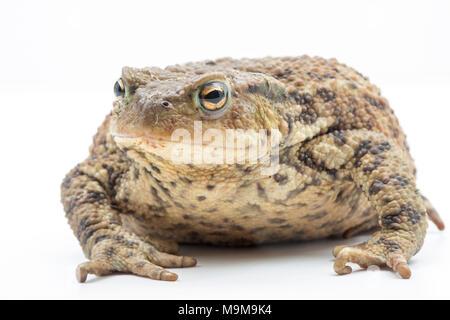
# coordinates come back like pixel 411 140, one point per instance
pixel 119 88
pixel 213 96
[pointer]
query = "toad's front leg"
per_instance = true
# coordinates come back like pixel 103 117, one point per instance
pixel 97 226
pixel 381 169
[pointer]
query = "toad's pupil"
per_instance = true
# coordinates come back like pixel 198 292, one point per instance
pixel 119 88
pixel 214 96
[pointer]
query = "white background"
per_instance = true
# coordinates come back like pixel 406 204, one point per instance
pixel 59 61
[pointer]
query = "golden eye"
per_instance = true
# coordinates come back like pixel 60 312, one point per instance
pixel 213 96
pixel 119 88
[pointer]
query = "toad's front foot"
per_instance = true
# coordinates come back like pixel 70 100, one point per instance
pixel 117 254
pixel 383 253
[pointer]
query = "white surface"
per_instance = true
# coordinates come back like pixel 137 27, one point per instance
pixel 59 61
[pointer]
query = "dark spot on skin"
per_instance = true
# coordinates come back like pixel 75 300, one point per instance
pixel 302 99
pixel 286 226
pixel 140 265
pixel 299 205
pixel 376 186
pixel 110 252
pixel 354 203
pixel 156 169
pixel 84 224
pixel 244 169
pixel 386 199
pixel 290 123
pixel 376 102
pixel 348 178
pixel 113 178
pixel 210 187
pixel 68 179
pixel 173 184
pixel 90 197
pixel 339 137
pixel 148 172
pixel 156 209
pixel 342 196
pixel 187 217
pixel 218 233
pixel 225 220
pixel 299 168
pixel 179 205
pixel 210 63
pixel 101 238
pixel 115 237
pixel 400 181
pixel 87 235
pixel 141 154
pixel 390 245
pixel 308 115
pixel 367 146
pixel 253 207
pixel 380 148
pixel 159 183
pixel 155 193
pixel 352 85
pixel 194 235
pixel 413 215
pixel 237 227
pixel 210 225
pixel 276 220
pixel 186 180
pixel 283 74
pixel 295 192
pixel 201 198
pixel 136 173
pixel 115 221
pixel 367 169
pixel 316 216
pixel 395 132
pixel 332 173
pixel 281 179
pixel 181 226
pixel 212 210
pixel 259 229
pixel 314 75
pixel 361 151
pixel 261 191
pixel 307 158
pixel 326 94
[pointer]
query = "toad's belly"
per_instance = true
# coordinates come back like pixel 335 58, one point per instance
pixel 311 212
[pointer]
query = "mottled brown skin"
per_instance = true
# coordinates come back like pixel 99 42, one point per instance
pixel 344 168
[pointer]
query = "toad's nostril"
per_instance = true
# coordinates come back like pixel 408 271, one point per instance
pixel 166 104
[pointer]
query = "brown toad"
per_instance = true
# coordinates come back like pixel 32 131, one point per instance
pixel 343 167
